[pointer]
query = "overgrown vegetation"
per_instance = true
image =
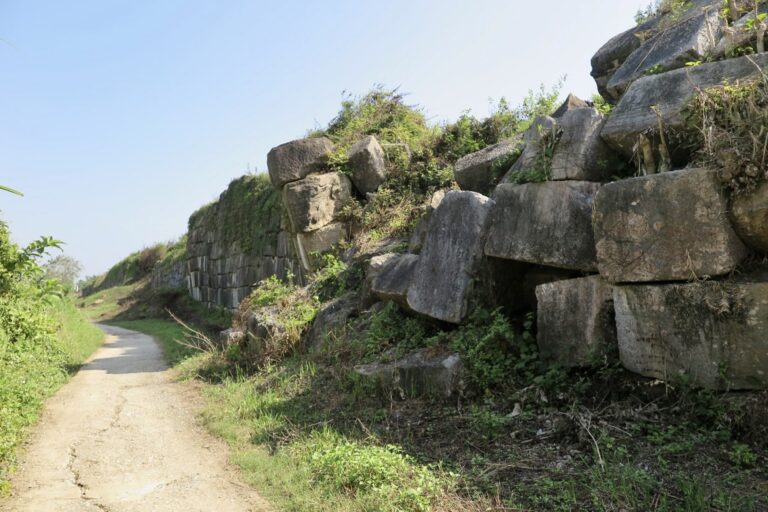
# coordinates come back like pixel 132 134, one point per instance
pixel 727 127
pixel 673 8
pixel 43 339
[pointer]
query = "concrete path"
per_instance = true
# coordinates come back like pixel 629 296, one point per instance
pixel 122 437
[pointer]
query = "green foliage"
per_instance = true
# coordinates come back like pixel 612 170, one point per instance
pixel 673 8
pixel 390 327
pixel 42 338
pixel 602 105
pixel 11 190
pixel 248 214
pixel 270 292
pixel 725 128
pixel 334 278
pixel 380 474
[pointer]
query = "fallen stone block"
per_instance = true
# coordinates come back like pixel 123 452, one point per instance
pixel 669 94
pixel 295 160
pixel 575 321
pixel 230 337
pixel 580 153
pixel 314 201
pixel 710 334
pixel 544 223
pixel 368 165
pixel 450 258
pixel 394 279
pixel 482 170
pixel 421 374
pixel 749 214
pixel 665 227
pixel 333 315
pixel 671 48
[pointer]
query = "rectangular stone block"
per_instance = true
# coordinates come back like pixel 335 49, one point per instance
pixel 451 256
pixel 665 227
pixel 575 321
pixel 394 278
pixel 711 334
pixel 544 223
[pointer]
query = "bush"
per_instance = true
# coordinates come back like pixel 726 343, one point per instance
pixel 726 127
pixel 149 257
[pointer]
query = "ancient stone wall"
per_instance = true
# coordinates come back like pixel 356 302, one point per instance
pixel 238 241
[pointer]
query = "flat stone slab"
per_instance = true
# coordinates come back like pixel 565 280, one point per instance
pixel 575 321
pixel 450 257
pixel 665 227
pixel 710 334
pixel 670 93
pixel 314 201
pixel 671 48
pixel 547 224
pixel 296 159
pixel 417 375
pixel 480 171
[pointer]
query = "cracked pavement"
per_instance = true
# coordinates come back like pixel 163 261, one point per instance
pixel 121 436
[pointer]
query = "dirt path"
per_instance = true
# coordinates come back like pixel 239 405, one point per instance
pixel 122 437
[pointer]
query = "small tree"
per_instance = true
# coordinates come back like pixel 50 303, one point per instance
pixel 64 269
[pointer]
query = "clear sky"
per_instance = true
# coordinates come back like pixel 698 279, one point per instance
pixel 119 118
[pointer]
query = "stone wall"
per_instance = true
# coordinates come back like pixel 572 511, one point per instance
pixel 238 241
pixel 172 275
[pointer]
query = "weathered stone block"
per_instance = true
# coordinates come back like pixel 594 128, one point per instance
pixel 575 318
pixel 394 279
pixel 368 165
pixel 712 334
pixel 450 257
pixel 294 160
pixel 313 202
pixel 480 171
pixel 749 214
pixel 670 93
pixel 334 314
pixel 671 48
pixel 571 102
pixel 319 241
pixel 534 138
pixel 544 223
pixel 418 375
pixel 581 154
pixel 665 227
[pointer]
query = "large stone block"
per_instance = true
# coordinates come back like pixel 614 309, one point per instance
pixel 368 165
pixel 535 138
pixel 613 53
pixel 665 227
pixel 450 258
pixel 671 48
pixel 711 334
pixel 669 94
pixel 314 201
pixel 749 214
pixel 294 160
pixel 581 154
pixel 544 223
pixel 394 279
pixel 480 171
pixel 417 375
pixel 575 318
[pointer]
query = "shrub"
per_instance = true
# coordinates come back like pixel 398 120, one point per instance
pixel 727 127
pixel 149 257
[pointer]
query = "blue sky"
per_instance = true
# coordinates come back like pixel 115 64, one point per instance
pixel 120 118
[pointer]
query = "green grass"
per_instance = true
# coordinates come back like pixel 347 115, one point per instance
pixel 31 370
pixel 105 302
